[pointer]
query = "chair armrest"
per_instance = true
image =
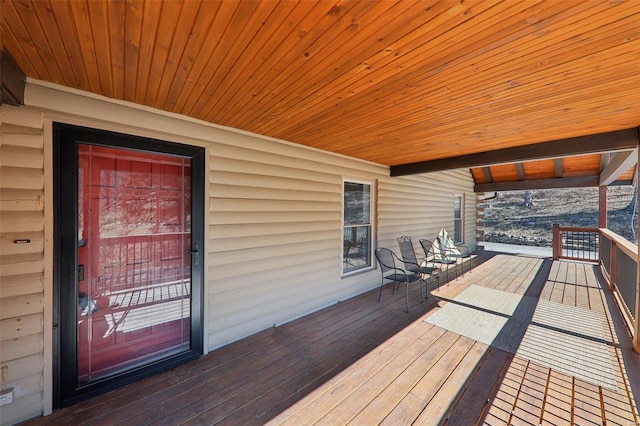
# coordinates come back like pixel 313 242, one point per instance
pixel 464 250
pixel 419 269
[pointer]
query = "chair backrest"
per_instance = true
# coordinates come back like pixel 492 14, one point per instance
pixel 385 259
pixel 346 246
pixel 427 247
pixel 407 252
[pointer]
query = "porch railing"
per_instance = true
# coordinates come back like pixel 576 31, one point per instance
pixel 576 243
pixel 618 260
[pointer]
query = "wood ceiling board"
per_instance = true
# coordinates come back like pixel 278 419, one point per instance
pixel 542 169
pixel 302 78
pixel 76 76
pixel 390 82
pixel 504 173
pixel 581 165
pixel 161 46
pixel 201 70
pixel 629 175
pixel 493 130
pixel 250 60
pixel 248 65
pixel 393 65
pixel 479 175
pixel 449 61
pixel 17 41
pixel 400 93
pixel 458 107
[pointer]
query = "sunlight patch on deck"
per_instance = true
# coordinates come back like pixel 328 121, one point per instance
pixel 565 338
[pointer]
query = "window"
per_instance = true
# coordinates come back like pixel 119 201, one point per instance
pixel 356 231
pixel 458 219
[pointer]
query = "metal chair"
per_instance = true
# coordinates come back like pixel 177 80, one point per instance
pixel 391 272
pixel 456 251
pixel 346 248
pixel 411 262
pixel 441 257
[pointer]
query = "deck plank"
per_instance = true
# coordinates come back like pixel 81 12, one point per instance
pixel 531 398
pixel 370 390
pixel 454 366
pixel 364 362
pixel 385 402
pixel 438 395
pixel 502 405
pixel 467 398
pixel 334 391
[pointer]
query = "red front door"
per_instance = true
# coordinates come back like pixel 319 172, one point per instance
pixel 134 278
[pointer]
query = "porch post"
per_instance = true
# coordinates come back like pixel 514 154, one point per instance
pixel 556 241
pixel 602 207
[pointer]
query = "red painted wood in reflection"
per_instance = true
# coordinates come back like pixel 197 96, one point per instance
pixel 134 237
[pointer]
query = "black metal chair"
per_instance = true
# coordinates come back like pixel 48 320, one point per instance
pixel 411 262
pixel 391 272
pixel 442 258
pixel 346 248
pixel 455 251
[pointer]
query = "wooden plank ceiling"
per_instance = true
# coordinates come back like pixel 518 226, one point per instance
pixel 390 82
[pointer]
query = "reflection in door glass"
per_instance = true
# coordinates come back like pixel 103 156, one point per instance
pixel 134 278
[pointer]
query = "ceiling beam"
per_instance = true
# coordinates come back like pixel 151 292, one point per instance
pixel 601 142
pixel 619 164
pixel 13 80
pixel 522 185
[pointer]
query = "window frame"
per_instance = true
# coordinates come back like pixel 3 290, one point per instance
pixel 343 272
pixel 460 220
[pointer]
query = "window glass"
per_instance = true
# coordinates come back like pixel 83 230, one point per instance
pixel 356 251
pixel 458 219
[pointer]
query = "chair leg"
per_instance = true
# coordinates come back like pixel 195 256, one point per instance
pixel 380 294
pixel 406 296
pixel 426 288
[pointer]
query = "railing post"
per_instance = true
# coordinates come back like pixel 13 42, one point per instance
pixel 557 242
pixel 602 207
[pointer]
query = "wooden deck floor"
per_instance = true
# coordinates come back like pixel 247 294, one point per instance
pixel 363 363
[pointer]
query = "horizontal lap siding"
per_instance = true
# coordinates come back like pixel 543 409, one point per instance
pixel 275 235
pixel 274 224
pixel 420 205
pixel 21 264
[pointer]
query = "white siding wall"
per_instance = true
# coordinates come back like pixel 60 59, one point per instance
pixel 21 264
pixel 274 236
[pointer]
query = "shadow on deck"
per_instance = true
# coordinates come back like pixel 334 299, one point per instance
pixel 364 362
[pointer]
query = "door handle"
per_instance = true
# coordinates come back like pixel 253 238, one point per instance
pixel 195 253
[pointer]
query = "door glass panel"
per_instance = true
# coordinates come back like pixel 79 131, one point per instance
pixel 134 277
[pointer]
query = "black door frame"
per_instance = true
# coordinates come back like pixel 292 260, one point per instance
pixel 66 390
